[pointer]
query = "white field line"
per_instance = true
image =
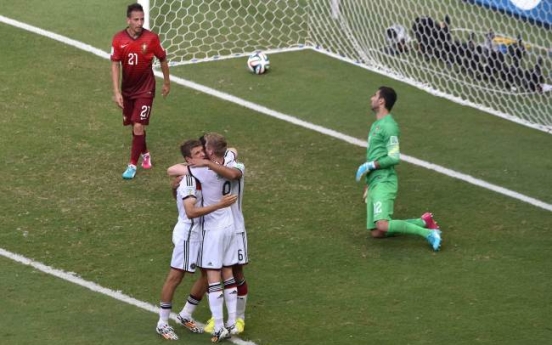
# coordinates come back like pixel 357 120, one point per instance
pixel 290 119
pixel 358 142
pixel 73 278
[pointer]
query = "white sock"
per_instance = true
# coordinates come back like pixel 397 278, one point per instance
pixel 240 307
pixel 189 307
pixel 216 302
pixel 164 313
pixel 230 298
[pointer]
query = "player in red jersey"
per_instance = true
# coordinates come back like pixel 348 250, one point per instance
pixel 134 89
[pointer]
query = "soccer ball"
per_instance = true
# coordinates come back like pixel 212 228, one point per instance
pixel 258 63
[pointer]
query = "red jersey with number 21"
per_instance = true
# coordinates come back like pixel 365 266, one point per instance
pixel 136 57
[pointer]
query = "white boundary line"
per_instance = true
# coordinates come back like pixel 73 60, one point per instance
pixel 431 90
pixel 288 118
pixel 357 142
pixel 73 278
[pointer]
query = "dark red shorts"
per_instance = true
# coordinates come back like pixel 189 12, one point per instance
pixel 137 111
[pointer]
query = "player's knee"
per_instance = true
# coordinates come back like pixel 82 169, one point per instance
pixel 237 270
pixel 138 129
pixel 175 277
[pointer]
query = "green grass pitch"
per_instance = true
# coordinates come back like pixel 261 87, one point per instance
pixel 315 277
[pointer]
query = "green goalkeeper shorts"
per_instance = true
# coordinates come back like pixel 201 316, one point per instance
pixel 380 202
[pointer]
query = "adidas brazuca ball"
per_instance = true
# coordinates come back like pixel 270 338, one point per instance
pixel 258 63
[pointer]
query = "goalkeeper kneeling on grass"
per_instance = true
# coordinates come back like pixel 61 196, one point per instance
pixel 381 179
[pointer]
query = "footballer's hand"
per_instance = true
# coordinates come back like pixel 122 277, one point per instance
pixel 166 89
pixel 118 99
pixel 228 200
pixel 234 151
pixel 175 182
pixel 365 168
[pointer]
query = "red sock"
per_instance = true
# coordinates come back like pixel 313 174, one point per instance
pixel 137 146
pixel 242 288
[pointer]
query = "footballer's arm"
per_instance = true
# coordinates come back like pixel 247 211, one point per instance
pixel 181 169
pixel 193 212
pixel 178 170
pixel 115 75
pixel 224 171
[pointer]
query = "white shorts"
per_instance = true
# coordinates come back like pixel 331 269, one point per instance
pixel 186 248
pixel 218 249
pixel 241 246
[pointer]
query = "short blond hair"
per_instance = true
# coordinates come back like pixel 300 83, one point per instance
pixel 216 142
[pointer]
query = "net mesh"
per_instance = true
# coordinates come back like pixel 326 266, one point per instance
pixel 193 30
pixel 468 53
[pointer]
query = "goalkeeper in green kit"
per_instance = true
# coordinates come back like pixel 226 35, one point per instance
pixel 382 154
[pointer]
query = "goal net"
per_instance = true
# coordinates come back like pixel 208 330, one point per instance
pixel 199 30
pixel 483 57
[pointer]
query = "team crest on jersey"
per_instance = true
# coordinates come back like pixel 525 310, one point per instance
pixel 144 48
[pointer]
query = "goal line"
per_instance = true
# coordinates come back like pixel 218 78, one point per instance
pixel 466 53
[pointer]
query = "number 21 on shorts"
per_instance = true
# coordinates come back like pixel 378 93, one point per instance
pixel 145 112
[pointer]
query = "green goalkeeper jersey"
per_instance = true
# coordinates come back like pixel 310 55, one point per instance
pixel 383 147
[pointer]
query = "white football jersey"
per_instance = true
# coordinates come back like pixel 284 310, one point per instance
pixel 213 187
pixel 186 235
pixel 236 188
pixel 188 187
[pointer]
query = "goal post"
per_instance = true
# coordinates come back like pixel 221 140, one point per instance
pixel 472 54
pixel 146 6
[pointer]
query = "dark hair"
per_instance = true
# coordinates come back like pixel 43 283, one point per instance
pixel 134 7
pixel 389 96
pixel 187 146
pixel 202 140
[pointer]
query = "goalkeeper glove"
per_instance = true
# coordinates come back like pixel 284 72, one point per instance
pixel 365 168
